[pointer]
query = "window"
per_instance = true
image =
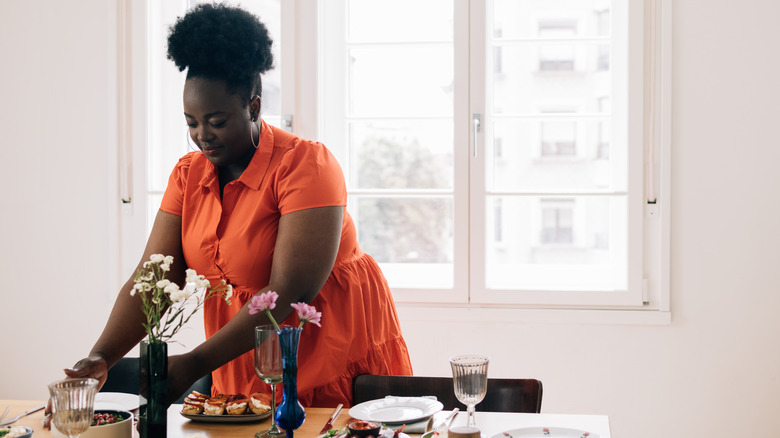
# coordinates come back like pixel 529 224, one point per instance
pixel 494 151
pixel 540 207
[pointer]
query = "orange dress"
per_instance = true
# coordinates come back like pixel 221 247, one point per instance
pixel 233 239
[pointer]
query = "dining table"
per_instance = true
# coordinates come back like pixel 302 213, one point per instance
pixel 490 423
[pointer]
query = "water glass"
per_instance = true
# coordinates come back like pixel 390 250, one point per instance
pixel 469 376
pixel 268 367
pixel 73 403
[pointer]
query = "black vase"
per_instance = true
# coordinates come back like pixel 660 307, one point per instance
pixel 153 390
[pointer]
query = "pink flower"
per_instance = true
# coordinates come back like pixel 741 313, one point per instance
pixel 307 313
pixel 262 302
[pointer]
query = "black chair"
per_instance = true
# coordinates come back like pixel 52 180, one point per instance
pixel 124 377
pixel 503 395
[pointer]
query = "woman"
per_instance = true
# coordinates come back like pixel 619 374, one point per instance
pixel 263 210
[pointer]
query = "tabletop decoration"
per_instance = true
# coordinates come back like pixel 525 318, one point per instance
pixel 166 309
pixel 290 414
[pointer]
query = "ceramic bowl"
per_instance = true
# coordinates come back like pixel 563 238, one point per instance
pixel 364 428
pixel 120 429
pixel 20 431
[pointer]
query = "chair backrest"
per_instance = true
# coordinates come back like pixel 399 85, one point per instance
pixel 124 377
pixel 503 395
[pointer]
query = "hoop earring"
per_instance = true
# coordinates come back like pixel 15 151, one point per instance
pixel 251 137
pixel 189 143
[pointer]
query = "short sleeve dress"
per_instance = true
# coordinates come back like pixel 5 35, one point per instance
pixel 233 238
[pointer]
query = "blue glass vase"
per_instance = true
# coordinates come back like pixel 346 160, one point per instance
pixel 290 414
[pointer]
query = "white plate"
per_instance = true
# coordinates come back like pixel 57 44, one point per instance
pixel 396 409
pixel 245 418
pixel 116 401
pixel 545 432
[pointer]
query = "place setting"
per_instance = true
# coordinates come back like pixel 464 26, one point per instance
pixel 398 416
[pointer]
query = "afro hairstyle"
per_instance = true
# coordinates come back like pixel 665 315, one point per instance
pixel 220 42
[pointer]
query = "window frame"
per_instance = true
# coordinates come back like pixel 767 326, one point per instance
pixel 302 52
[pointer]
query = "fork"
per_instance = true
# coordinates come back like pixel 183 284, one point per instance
pixel 5 413
pixel 13 420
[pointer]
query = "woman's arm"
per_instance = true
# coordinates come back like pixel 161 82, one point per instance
pixel 124 328
pixel 305 251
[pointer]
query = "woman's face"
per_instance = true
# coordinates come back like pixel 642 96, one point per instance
pixel 219 122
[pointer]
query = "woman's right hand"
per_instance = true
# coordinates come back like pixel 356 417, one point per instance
pixel 93 366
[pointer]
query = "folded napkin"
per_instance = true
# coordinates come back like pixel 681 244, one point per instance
pixel 420 426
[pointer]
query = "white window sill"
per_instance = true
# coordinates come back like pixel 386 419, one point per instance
pixel 486 314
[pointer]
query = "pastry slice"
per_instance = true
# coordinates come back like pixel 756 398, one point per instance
pixel 259 403
pixel 192 407
pixel 214 406
pixel 236 407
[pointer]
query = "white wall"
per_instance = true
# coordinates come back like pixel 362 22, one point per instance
pixel 712 372
pixel 57 77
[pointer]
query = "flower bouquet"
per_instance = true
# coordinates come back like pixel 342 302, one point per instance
pixel 167 308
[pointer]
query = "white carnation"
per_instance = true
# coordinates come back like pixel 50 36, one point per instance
pixel 157 258
pixel 178 295
pixel 191 275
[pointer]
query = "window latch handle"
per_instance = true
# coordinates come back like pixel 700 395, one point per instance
pixel 476 125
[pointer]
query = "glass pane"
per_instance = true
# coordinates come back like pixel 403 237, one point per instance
pixel 167 130
pixel 269 12
pixel 551 78
pixel 548 243
pixel 405 230
pixel 514 19
pixel 408 81
pixel 550 155
pixel 391 21
pixel 401 155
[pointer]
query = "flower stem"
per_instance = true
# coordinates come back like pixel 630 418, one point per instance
pixel 273 321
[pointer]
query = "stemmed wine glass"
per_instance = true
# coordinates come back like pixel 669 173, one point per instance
pixel 73 403
pixel 268 366
pixel 469 376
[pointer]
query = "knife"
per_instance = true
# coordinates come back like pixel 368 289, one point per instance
pixel 23 414
pixel 329 425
